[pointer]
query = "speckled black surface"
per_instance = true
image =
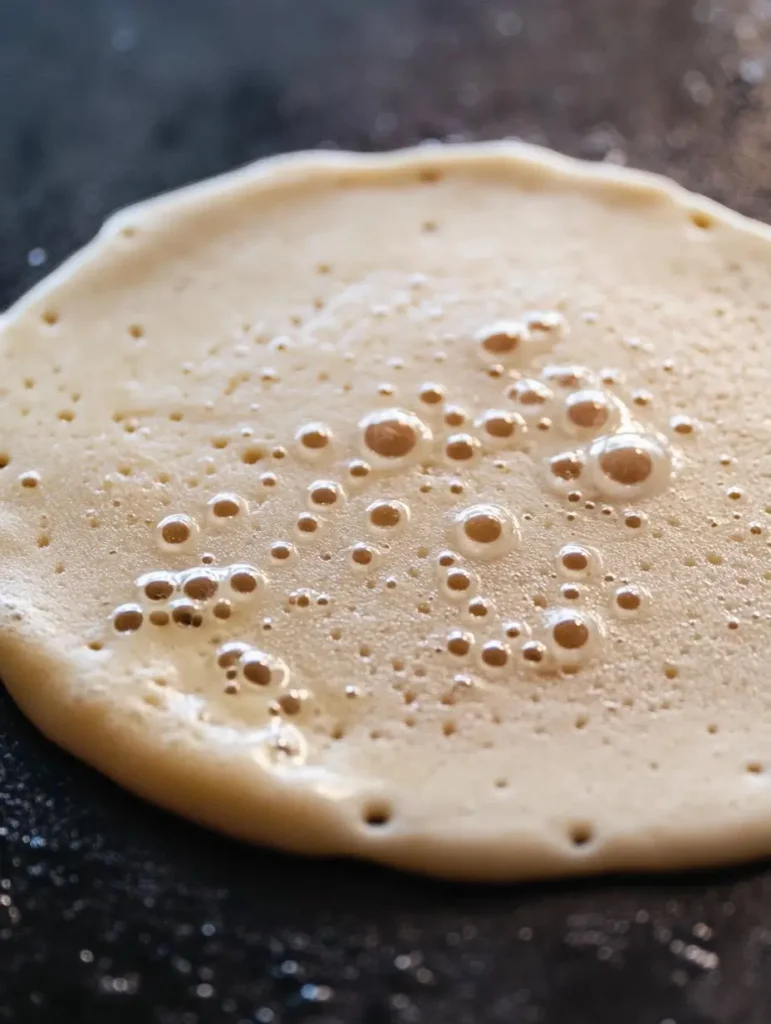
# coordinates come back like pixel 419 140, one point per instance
pixel 111 911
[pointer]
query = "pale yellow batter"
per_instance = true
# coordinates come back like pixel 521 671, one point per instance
pixel 410 506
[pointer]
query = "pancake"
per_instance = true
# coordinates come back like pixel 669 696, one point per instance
pixel 412 507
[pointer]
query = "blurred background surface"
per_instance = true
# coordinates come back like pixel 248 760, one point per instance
pixel 109 910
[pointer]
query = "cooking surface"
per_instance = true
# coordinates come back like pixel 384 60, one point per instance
pixel 113 911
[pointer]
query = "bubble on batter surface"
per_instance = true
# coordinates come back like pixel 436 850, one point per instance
pixel 364 557
pixel 245 582
pixel 462 450
pixel 572 637
pixel 393 438
pixel 458 583
pixel 387 516
pixel 314 441
pixel 578 562
pixel 460 643
pixel 565 470
pixel 630 601
pixel 532 398
pixel 589 412
pixel 158 586
pixel 567 377
pixel 127 618
pixel 486 532
pixel 261 669
pixel 325 494
pixel 226 506
pixel 500 428
pixel 502 340
pixel 177 532
pixel 628 466
pixel 494 656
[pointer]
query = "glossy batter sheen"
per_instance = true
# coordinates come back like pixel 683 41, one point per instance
pixel 411 506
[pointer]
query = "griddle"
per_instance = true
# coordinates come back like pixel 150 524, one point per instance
pixel 112 911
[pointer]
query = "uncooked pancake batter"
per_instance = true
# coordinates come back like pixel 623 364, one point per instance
pixel 411 506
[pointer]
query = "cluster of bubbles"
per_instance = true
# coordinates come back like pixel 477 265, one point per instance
pixel 248 668
pixel 573 423
pixel 185 598
pixel 562 639
pixel 179 532
pixel 570 418
pixel 592 446
pixel 589 438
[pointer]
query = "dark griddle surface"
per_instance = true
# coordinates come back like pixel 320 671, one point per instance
pixel 111 911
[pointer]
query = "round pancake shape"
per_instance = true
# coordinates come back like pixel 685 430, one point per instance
pixel 413 507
